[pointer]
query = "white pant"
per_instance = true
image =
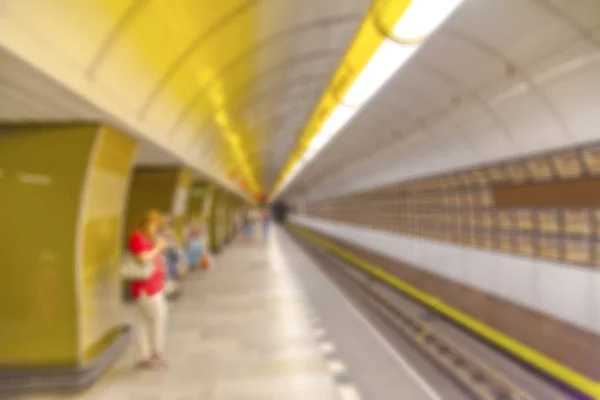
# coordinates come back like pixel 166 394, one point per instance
pixel 152 324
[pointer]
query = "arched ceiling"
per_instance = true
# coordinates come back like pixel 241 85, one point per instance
pixel 197 77
pixel 500 79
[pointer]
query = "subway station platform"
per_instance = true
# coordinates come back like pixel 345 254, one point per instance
pixel 437 164
pixel 254 328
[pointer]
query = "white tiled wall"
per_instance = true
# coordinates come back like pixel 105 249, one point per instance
pixel 566 292
pixel 595 306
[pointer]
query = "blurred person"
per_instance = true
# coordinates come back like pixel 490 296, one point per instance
pixel 194 243
pixel 255 218
pixel 164 225
pixel 266 222
pixel 147 246
pixel 173 253
pixel 239 221
pixel 248 231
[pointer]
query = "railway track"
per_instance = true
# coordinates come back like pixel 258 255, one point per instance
pixel 466 367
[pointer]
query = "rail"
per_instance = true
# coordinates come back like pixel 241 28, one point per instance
pixel 481 380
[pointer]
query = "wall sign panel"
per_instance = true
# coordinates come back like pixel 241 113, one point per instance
pixel 505 221
pixel 568 164
pixel 540 169
pixel 525 245
pixel 591 160
pixel 549 248
pixel 543 206
pixel 578 222
pixel 578 251
pixel 547 222
pixel 517 172
pixel 524 220
pixel 497 175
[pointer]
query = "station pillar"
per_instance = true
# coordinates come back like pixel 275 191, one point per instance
pixel 164 189
pixel 63 189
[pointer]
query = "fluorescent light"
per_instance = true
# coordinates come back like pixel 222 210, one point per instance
pixel 336 121
pixel 388 58
pixel 334 124
pixel 290 176
pixel 422 18
pixel 310 153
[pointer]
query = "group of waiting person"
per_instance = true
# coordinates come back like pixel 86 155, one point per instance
pixel 155 243
pixel 253 219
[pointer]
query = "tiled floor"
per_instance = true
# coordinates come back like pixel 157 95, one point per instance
pixel 242 330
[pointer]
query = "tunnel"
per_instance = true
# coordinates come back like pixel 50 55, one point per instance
pixel 300 199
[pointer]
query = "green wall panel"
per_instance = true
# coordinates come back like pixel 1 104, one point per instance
pixel 63 189
pixel 166 190
pixel 181 200
pixel 196 201
pixel 107 188
pixel 41 181
pixel 213 196
pixel 150 188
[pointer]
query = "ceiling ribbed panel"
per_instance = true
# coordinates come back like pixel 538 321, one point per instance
pixel 499 80
pixel 184 72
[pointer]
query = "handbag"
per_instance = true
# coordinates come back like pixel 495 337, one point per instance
pixel 133 270
pixel 205 262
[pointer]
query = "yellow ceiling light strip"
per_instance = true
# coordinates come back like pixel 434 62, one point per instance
pixel 221 93
pixel 391 33
pixel 226 92
pixel 232 138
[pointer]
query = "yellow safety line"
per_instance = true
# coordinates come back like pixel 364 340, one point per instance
pixel 532 357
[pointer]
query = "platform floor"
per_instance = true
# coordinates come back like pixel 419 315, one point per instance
pixel 252 328
pixel 242 330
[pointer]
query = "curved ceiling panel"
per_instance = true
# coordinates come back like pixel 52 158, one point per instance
pixel 226 85
pixel 182 73
pixel 500 79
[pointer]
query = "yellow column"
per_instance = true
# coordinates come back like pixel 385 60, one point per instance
pixel 63 189
pixel 164 189
pixel 181 200
pixel 197 199
pixel 222 217
pixel 214 214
